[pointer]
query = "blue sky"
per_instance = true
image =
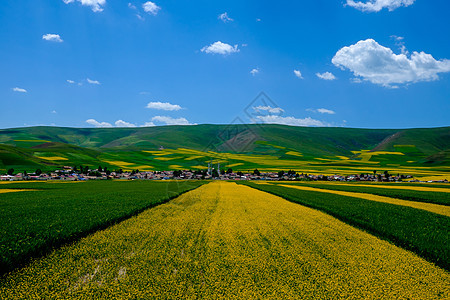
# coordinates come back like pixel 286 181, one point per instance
pixel 101 63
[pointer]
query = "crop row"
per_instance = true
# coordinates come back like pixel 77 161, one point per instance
pixel 405 194
pixel 422 232
pixel 35 222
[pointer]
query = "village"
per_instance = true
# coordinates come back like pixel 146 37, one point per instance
pixel 73 174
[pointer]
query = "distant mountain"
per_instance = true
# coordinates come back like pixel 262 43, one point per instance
pixel 242 146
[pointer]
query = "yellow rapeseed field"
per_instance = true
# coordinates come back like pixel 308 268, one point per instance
pixel 228 241
pixel 404 187
pixel 434 208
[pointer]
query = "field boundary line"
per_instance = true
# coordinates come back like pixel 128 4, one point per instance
pixel 401 187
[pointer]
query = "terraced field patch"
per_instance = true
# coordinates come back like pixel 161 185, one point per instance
pixel 224 240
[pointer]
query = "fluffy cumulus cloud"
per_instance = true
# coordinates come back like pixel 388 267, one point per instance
pixel 380 65
pixel 52 38
pixel 326 76
pixel 377 5
pixel 170 121
pixel 225 18
pixel 151 8
pixel 254 71
pixel 121 123
pixel 298 74
pixel 220 48
pixel 268 109
pixel 274 119
pixel 163 106
pixel 96 5
pixel 98 124
pixel 92 81
pixel 19 90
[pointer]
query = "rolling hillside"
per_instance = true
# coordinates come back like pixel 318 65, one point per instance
pixel 269 147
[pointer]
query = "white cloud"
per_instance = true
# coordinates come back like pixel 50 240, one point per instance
pixel 298 74
pixel 326 76
pixel 323 111
pixel 269 109
pixel 130 5
pixel 151 8
pixel 225 18
pixel 52 38
pixel 380 65
pixel 377 5
pixel 258 20
pixel 54 112
pixel 98 124
pixel 19 90
pixel 148 124
pixel 70 81
pixel 163 106
pixel 92 81
pixel 96 5
pixel 171 121
pixel 273 119
pixel 121 123
pixel 220 48
pixel 254 71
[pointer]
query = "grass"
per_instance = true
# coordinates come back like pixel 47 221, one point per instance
pixel 417 230
pixel 43 216
pixel 412 195
pixel 224 240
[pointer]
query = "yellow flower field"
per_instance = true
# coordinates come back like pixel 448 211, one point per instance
pixel 2 191
pixel 434 208
pixel 228 241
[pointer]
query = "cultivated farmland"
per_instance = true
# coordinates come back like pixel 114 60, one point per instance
pixel 224 240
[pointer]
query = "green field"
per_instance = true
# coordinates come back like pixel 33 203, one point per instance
pixel 44 216
pixel 223 240
pixel 417 152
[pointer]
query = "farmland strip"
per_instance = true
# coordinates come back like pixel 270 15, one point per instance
pixel 4 191
pixel 403 187
pixel 434 208
pixel 229 241
pixel 420 231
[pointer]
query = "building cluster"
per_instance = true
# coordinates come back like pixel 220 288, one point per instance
pixel 69 174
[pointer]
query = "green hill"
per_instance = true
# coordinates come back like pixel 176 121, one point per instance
pixel 268 147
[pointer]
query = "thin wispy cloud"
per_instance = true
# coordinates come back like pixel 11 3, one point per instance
pixel 95 5
pixel 163 106
pixel 98 124
pixel 326 76
pixel 121 123
pixel 171 121
pixel 52 38
pixel 269 109
pixel 90 81
pixel 380 65
pixel 225 18
pixel 377 5
pixel 19 90
pixel 298 74
pixel 151 8
pixel 322 111
pixel 292 121
pixel 220 48
pixel 254 72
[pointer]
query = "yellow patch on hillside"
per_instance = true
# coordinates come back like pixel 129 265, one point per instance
pixel 55 158
pixel 176 167
pixel 294 153
pixel 235 165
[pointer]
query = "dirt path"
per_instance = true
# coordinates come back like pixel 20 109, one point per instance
pixel 230 241
pixel 434 208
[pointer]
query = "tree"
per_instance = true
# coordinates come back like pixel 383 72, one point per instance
pixel 100 169
pixel 374 172
pixel 229 171
pixel 280 174
pixel 86 170
pixel 38 172
pixel 215 174
pixel 25 173
pixel 239 173
pixel 222 172
pixel 256 172
pixel 10 171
